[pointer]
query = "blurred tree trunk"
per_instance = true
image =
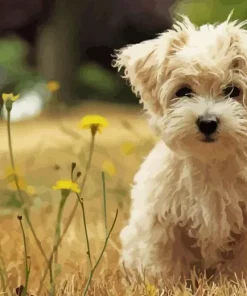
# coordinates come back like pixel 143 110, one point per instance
pixel 58 49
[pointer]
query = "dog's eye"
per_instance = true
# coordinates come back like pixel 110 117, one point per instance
pixel 184 92
pixel 232 91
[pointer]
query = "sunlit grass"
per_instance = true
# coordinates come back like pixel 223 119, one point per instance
pixel 118 152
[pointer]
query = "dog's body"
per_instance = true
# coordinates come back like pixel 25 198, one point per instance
pixel 189 197
pixel 174 208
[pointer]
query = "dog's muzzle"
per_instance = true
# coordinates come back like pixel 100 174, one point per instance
pixel 207 125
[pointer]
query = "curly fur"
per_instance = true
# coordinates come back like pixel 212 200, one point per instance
pixel 189 197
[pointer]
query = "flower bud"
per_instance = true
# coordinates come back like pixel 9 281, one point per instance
pixel 8 105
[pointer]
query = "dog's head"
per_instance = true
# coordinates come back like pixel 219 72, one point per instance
pixel 193 83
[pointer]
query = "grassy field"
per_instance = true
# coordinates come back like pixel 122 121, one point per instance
pixel 44 149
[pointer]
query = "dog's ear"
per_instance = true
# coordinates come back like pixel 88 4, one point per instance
pixel 145 65
pixel 140 63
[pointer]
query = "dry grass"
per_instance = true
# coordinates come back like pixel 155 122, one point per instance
pixel 44 149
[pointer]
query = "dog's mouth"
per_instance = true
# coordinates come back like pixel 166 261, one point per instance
pixel 208 139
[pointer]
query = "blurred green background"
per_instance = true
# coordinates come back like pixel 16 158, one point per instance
pixel 72 42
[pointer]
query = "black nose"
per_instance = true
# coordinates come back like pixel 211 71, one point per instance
pixel 207 124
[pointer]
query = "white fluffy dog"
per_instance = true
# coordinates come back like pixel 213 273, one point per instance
pixel 189 197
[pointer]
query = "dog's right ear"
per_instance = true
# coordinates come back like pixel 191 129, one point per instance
pixel 145 65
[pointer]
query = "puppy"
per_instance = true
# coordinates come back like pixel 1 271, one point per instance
pixel 189 197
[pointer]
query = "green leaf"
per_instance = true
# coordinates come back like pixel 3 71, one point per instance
pixel 13 202
pixel 96 77
pixel 210 11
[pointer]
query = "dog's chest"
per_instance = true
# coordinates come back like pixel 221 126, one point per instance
pixel 209 200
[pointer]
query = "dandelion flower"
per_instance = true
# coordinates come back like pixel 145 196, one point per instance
pixel 10 172
pixel 109 168
pixel 94 122
pixel 151 290
pixel 30 190
pixel 10 97
pixel 53 86
pixel 66 185
pixel 128 148
pixel 22 184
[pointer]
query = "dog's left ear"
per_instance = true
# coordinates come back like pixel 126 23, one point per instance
pixel 140 63
pixel 145 65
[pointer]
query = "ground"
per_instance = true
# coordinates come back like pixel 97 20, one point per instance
pixel 44 149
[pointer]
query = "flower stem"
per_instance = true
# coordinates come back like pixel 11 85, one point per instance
pixel 100 256
pixel 10 148
pixel 58 224
pixel 4 276
pixel 27 270
pixel 106 236
pixel 25 211
pixel 71 216
pixel 88 164
pixel 81 201
pixel 56 239
pixel 104 202
pixel 85 229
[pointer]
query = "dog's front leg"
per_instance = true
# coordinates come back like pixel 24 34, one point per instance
pixel 154 249
pixel 235 261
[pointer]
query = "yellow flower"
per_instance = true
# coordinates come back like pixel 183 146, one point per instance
pixel 22 186
pixel 9 175
pixel 53 85
pixel 128 148
pixel 21 183
pixel 10 172
pixel 94 122
pixel 151 290
pixel 30 189
pixel 10 97
pixel 109 168
pixel 67 185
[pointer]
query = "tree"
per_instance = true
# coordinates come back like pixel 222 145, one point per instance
pixel 58 49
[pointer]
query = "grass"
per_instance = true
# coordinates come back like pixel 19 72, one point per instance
pixel 44 149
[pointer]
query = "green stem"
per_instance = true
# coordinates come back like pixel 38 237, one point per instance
pixel 10 149
pixel 25 211
pixel 4 273
pixel 58 223
pixel 104 202
pixel 27 271
pixel 2 278
pixel 81 201
pixel 101 254
pixel 106 238
pixel 85 229
pixel 71 216
pixel 57 236
pixel 88 165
